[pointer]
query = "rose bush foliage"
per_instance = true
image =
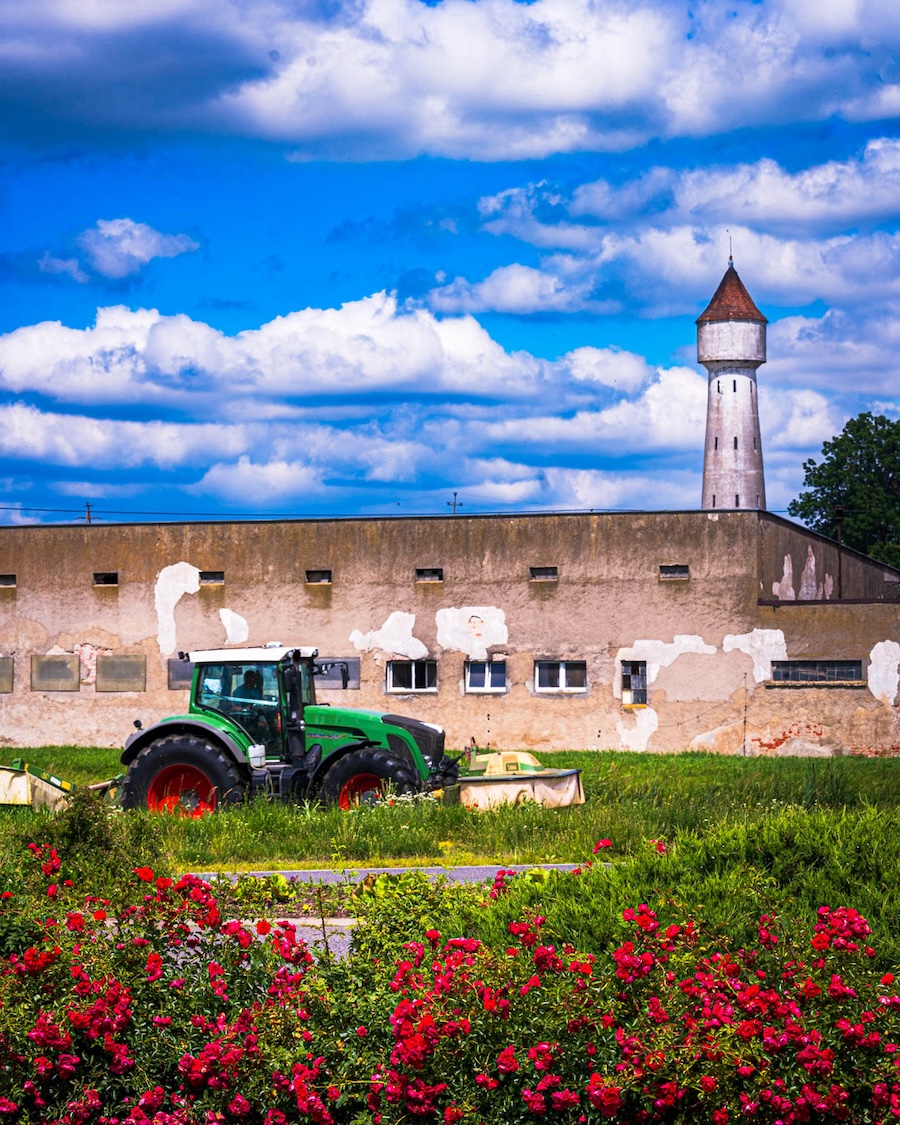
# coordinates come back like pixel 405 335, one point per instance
pixel 157 1009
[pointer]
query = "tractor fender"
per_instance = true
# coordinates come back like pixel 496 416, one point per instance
pixel 207 731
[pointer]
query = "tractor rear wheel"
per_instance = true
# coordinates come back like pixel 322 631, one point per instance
pixel 184 775
pixel 364 776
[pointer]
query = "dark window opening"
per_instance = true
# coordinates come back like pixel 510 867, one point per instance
pixel 560 675
pixel 485 675
pixel 318 577
pixel 7 580
pixel 543 573
pixel 735 443
pixel 715 443
pixel 634 682
pixel 675 570
pixel 212 577
pixel 412 675
pixel 737 500
pixel 735 385
pixel 106 578
pixel 429 574
pixel 816 671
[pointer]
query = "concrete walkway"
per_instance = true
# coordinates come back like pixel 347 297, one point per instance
pixel 334 934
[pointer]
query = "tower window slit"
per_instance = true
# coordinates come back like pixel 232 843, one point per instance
pixel 735 443
pixel 715 443
pixel 737 500
pixel 734 385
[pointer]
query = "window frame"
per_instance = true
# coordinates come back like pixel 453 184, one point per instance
pixel 634 670
pixel 561 688
pixel 822 673
pixel 487 688
pixel 428 666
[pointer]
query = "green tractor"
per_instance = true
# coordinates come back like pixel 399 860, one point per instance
pixel 254 728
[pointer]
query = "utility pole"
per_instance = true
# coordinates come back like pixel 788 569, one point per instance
pixel 454 504
pixel 87 512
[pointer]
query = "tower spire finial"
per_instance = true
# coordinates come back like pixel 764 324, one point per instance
pixel 730 251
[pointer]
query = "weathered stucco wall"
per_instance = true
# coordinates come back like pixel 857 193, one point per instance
pixel 706 627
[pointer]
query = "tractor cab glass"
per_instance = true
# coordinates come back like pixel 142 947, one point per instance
pixel 247 694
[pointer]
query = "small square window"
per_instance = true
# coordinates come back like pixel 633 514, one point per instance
pixel 429 574
pixel 634 682
pixel 106 578
pixel 676 571
pixel 543 573
pixel 318 577
pixel 485 676
pixel 212 577
pixel 7 581
pixel 411 675
pixel 560 675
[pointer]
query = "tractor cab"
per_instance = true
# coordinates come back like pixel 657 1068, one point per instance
pixel 264 691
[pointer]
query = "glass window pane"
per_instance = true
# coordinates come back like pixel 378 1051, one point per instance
pixel 477 673
pixel 497 674
pixel 548 674
pixel 576 674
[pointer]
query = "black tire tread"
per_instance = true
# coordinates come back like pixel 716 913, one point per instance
pixel 176 748
pixel 379 762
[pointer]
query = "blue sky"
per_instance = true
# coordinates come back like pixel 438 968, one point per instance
pixel 315 257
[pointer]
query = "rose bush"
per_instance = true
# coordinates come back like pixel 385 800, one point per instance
pixel 158 1009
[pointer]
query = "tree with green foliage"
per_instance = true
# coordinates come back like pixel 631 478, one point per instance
pixel 857 482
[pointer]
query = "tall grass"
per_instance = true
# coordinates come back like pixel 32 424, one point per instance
pixel 630 798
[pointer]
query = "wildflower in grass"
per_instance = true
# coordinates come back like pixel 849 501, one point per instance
pixel 145 874
pixel 601 844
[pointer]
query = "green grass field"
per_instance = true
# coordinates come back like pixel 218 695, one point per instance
pixel 631 798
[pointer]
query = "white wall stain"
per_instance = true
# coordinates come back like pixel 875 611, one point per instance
pixel 172 583
pixel 236 628
pixel 762 646
pixel 808 589
pixel 884 671
pixel 394 636
pixel 471 629
pixel 784 590
pixel 658 654
pixel 637 736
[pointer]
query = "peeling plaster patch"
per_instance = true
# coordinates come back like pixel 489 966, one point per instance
pixel 883 674
pixel 807 590
pixel 636 737
pixel 658 654
pixel 171 584
pixel 394 636
pixel 784 590
pixel 87 657
pixel 236 628
pixel 471 629
pixel 762 646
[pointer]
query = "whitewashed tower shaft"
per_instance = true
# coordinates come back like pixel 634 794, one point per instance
pixel 731 345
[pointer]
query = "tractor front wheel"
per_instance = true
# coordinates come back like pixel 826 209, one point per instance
pixel 183 775
pixel 364 776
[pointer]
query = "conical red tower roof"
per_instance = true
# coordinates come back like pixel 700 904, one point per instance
pixel 731 301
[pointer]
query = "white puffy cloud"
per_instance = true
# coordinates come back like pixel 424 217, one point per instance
pixel 513 289
pixel 119 247
pixel 260 484
pixel 366 345
pixel 489 80
pixel 761 193
pixel 669 414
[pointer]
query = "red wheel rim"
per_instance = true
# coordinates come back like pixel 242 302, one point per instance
pixel 362 787
pixel 182 789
